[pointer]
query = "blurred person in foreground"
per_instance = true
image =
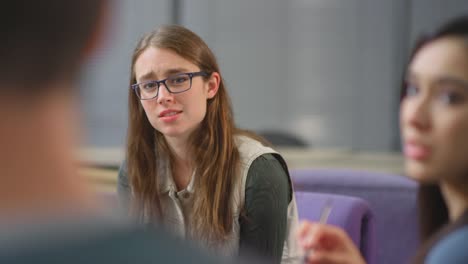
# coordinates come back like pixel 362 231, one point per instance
pixel 434 129
pixel 48 213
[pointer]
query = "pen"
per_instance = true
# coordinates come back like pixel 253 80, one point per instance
pixel 324 214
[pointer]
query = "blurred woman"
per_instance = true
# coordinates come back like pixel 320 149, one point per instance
pixel 434 129
pixel 188 167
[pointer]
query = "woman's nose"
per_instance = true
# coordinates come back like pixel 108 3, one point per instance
pixel 164 95
pixel 417 113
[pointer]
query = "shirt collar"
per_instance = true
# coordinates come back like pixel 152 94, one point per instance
pixel 166 180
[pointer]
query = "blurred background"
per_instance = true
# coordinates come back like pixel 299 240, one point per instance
pixel 325 72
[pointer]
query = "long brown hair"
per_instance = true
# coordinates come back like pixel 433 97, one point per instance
pixel 212 145
pixel 432 210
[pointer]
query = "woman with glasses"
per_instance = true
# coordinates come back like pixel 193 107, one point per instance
pixel 434 129
pixel 188 167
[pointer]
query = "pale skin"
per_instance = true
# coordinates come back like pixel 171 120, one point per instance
pixel 190 106
pixel 434 123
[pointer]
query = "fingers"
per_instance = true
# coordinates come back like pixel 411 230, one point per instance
pixel 325 257
pixel 305 235
pixel 303 230
pixel 327 244
pixel 320 236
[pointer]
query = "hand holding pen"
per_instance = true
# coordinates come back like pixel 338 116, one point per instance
pixel 323 243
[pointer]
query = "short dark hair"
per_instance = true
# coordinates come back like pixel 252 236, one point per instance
pixel 43 41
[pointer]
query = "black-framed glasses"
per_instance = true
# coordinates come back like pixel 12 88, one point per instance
pixel 177 83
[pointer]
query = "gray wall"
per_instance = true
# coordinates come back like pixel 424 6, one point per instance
pixel 326 71
pixel 322 70
pixel 106 78
pixel 427 14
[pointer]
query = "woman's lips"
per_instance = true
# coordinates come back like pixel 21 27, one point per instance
pixel 169 115
pixel 416 151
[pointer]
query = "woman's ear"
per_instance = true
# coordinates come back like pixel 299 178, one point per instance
pixel 213 85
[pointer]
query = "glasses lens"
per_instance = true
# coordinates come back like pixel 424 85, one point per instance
pixel 178 83
pixel 147 90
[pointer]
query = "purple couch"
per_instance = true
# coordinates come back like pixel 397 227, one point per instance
pixel 350 213
pixel 392 200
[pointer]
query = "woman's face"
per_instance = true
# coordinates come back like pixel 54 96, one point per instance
pixel 434 113
pixel 174 115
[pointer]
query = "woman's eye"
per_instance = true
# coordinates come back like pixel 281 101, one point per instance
pixel 150 86
pixel 451 98
pixel 411 90
pixel 179 80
